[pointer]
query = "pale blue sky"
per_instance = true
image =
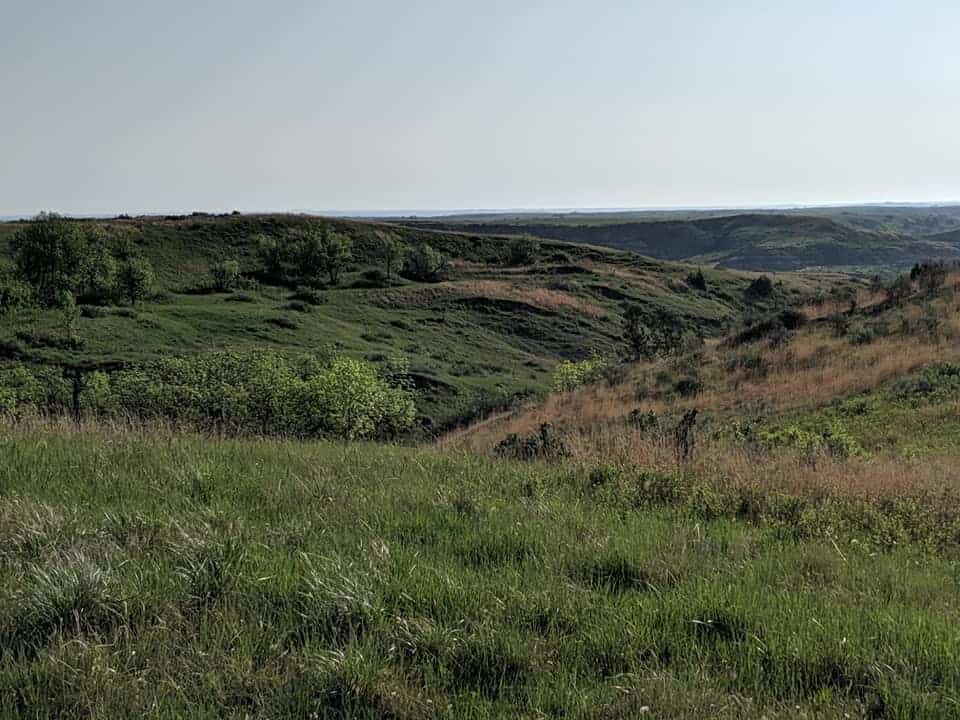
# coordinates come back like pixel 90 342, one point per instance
pixel 125 106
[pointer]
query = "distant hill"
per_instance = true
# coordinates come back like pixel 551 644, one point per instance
pixel 835 238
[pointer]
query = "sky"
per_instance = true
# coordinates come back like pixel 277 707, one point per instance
pixel 110 106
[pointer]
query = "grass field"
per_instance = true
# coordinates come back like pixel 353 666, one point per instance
pixel 488 334
pixel 181 577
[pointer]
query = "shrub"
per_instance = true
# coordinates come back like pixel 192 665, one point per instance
pixel 544 444
pixel 14 294
pixel 349 399
pixel 322 253
pixel 49 254
pixel 425 264
pixel 647 337
pixel 697 280
pixel 832 438
pixel 225 275
pixel 373 278
pixel 760 288
pixel 389 250
pixel 262 392
pixel 688 386
pixel 569 375
pixel 522 251
pixel 135 279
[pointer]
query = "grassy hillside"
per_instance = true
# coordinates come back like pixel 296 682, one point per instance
pixel 488 333
pixel 864 398
pixel 179 577
pixel 753 241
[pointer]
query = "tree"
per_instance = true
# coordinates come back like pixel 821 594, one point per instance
pixel 97 280
pixel 425 264
pixel 226 275
pixel 49 254
pixel 697 280
pixel 135 278
pixel 389 250
pixel 761 287
pixel 273 255
pixel 645 338
pixel 522 251
pixel 324 253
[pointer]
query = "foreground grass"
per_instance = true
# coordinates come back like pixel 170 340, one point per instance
pixel 180 577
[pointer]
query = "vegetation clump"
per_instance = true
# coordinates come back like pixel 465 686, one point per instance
pixel 570 375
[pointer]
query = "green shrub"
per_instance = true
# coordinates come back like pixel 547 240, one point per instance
pixel 569 375
pixel 522 251
pixel 225 275
pixel 261 392
pixel 425 264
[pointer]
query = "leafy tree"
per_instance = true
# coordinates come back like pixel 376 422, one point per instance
pixel 98 273
pixel 13 293
pixel 425 264
pixel 226 275
pixel 324 253
pixel 49 254
pixel 761 287
pixel 647 338
pixel 273 254
pixel 135 278
pixel 389 250
pixel 697 280
pixel 522 251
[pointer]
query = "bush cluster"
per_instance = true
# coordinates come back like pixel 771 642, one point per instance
pixel 64 262
pixel 239 392
pixel 310 257
pixel 569 375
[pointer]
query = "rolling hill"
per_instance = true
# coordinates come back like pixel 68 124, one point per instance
pixel 487 334
pixel 774 240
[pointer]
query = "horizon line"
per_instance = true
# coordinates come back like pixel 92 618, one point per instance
pixel 439 212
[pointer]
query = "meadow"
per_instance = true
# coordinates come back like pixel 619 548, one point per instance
pixel 757 515
pixel 185 577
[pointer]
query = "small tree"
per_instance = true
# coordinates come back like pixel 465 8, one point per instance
pixel 425 264
pixel 225 275
pixel 697 280
pixel 389 250
pixel 97 280
pixel 522 251
pixel 135 278
pixel 647 339
pixel 273 256
pixel 324 253
pixel 49 254
pixel 761 287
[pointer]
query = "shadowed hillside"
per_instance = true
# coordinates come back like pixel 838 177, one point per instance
pixel 754 241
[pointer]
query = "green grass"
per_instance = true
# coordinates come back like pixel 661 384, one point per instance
pixel 188 578
pixel 468 349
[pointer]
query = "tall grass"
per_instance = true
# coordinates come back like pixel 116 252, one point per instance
pixel 190 577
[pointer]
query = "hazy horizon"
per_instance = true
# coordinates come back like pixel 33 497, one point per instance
pixel 116 107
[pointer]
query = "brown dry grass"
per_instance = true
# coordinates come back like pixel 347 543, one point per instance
pixel 812 370
pixel 534 295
